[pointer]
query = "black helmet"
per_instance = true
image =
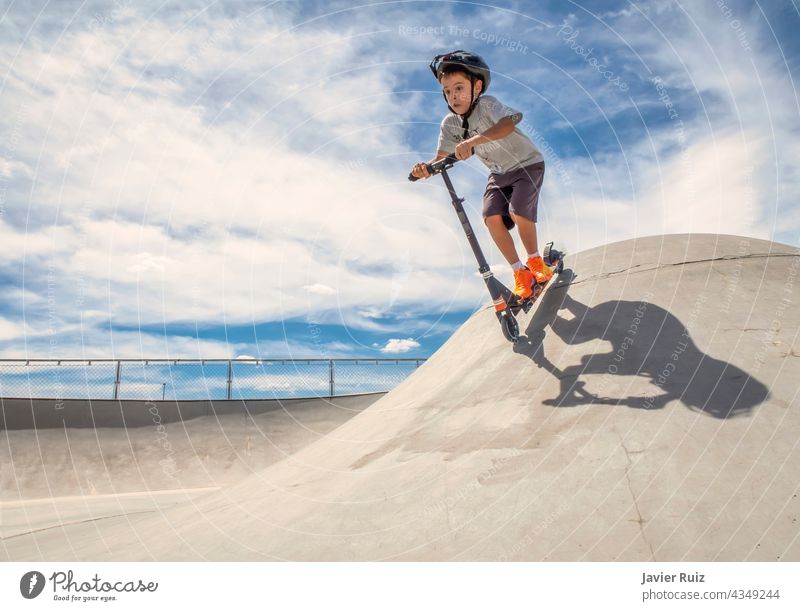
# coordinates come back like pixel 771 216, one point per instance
pixel 469 62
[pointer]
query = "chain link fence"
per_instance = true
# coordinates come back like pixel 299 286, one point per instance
pixel 185 379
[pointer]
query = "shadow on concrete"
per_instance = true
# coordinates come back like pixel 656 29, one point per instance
pixel 647 342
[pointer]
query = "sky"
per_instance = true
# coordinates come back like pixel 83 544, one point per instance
pixel 204 179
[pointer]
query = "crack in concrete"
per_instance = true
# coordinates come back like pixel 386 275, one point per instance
pixel 84 521
pixel 678 263
pixel 639 520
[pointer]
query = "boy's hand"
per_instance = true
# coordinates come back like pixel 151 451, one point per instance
pixel 420 170
pixel 464 149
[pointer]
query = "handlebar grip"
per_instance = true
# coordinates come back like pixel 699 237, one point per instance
pixel 435 168
pixel 413 178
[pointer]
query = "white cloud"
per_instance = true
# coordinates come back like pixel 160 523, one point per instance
pixel 151 203
pixel 10 167
pixel 710 187
pixel 214 170
pixel 735 108
pixel 320 289
pixel 10 329
pixel 397 346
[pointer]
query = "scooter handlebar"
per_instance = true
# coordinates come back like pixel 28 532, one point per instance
pixel 437 167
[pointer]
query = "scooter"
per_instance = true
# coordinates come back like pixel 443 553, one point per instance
pixel 506 304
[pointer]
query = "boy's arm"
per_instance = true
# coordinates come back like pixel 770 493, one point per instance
pixel 440 154
pixel 499 130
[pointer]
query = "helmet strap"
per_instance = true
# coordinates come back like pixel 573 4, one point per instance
pixel 472 102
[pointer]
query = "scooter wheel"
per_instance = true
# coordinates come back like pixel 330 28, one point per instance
pixel 510 327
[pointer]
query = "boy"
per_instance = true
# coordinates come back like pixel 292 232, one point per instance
pixel 480 124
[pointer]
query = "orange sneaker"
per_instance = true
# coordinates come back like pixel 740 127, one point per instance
pixel 541 272
pixel 523 283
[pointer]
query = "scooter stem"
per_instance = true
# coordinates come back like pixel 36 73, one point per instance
pixel 501 295
pixel 458 202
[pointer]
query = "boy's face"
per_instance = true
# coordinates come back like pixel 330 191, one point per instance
pixel 456 89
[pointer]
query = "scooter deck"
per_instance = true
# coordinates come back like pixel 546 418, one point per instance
pixel 538 290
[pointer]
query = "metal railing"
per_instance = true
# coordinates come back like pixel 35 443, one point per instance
pixel 187 379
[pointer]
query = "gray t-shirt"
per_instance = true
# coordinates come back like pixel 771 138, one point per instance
pixel 514 151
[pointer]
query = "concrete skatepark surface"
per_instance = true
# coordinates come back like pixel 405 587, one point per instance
pixel 650 412
pixel 72 474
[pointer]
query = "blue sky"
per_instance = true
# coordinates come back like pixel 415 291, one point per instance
pixel 219 179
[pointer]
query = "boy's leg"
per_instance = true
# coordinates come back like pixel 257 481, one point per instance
pixel 523 207
pixel 527 233
pixel 502 238
pixel 524 203
pixel 523 278
pixel 497 219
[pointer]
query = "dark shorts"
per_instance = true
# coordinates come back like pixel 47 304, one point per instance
pixel 515 192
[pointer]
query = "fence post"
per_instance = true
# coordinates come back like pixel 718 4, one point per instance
pixel 230 380
pixel 330 369
pixel 117 380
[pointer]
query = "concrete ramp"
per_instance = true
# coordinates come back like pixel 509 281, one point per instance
pixel 650 413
